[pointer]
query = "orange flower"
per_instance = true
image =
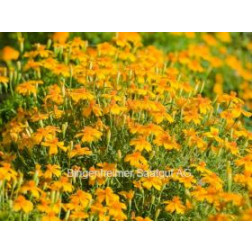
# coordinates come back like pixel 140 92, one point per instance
pixel 214 133
pixel 55 94
pixel 237 111
pixel 188 182
pixel 246 162
pixel 62 185
pixel 52 170
pixel 209 39
pixel 28 88
pixel 213 180
pixel 221 217
pixel 141 144
pixel 123 38
pixel 50 216
pixel 81 198
pixel 8 53
pixel 136 159
pixel 98 208
pixel 106 195
pixel 175 205
pixel 232 147
pixel 247 215
pixel 80 94
pixel 195 66
pixel 48 132
pixel 150 182
pixel 78 215
pixel 93 107
pixel 224 37
pixel 97 176
pixel 167 141
pixel 79 151
pixel 7 173
pixel 139 218
pixel 192 115
pixel 127 195
pixel 89 135
pixel 115 210
pixel 204 104
pixel 60 37
pixel 30 186
pixel 194 140
pixel 114 109
pixel 4 80
pixel 53 145
pixel 22 204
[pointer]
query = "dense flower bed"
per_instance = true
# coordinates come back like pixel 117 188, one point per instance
pixel 160 119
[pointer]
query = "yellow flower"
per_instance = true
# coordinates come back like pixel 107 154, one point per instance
pixel 209 39
pixel 135 159
pixel 80 198
pixel 22 204
pixel 123 38
pixel 192 115
pixel 167 141
pixel 55 94
pixel 78 215
pixel 89 135
pixel 214 134
pixel 150 182
pixel 247 215
pixel 53 145
pixel 60 37
pixel 93 107
pixel 30 186
pixel 98 177
pixel 50 216
pixel 98 208
pixel 195 66
pixel 221 217
pixel 80 94
pixel 7 173
pixel 114 109
pixel 224 37
pixel 4 80
pixel 194 139
pixel 141 144
pixel 235 198
pixel 106 195
pixel 52 170
pixel 201 167
pixel 237 111
pixel 213 180
pixel 246 162
pixel 8 53
pixel 232 147
pixel 204 104
pixel 175 205
pixel 116 211
pixel 63 184
pixel 139 218
pixel 127 195
pixel 28 88
pixel 188 181
pixel 79 151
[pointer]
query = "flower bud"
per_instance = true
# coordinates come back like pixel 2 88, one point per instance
pixel 108 136
pixel 119 155
pixel 64 128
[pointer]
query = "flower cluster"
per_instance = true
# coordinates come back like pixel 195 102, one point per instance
pixel 123 106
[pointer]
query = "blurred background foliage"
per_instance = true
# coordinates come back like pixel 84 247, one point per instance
pixel 163 40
